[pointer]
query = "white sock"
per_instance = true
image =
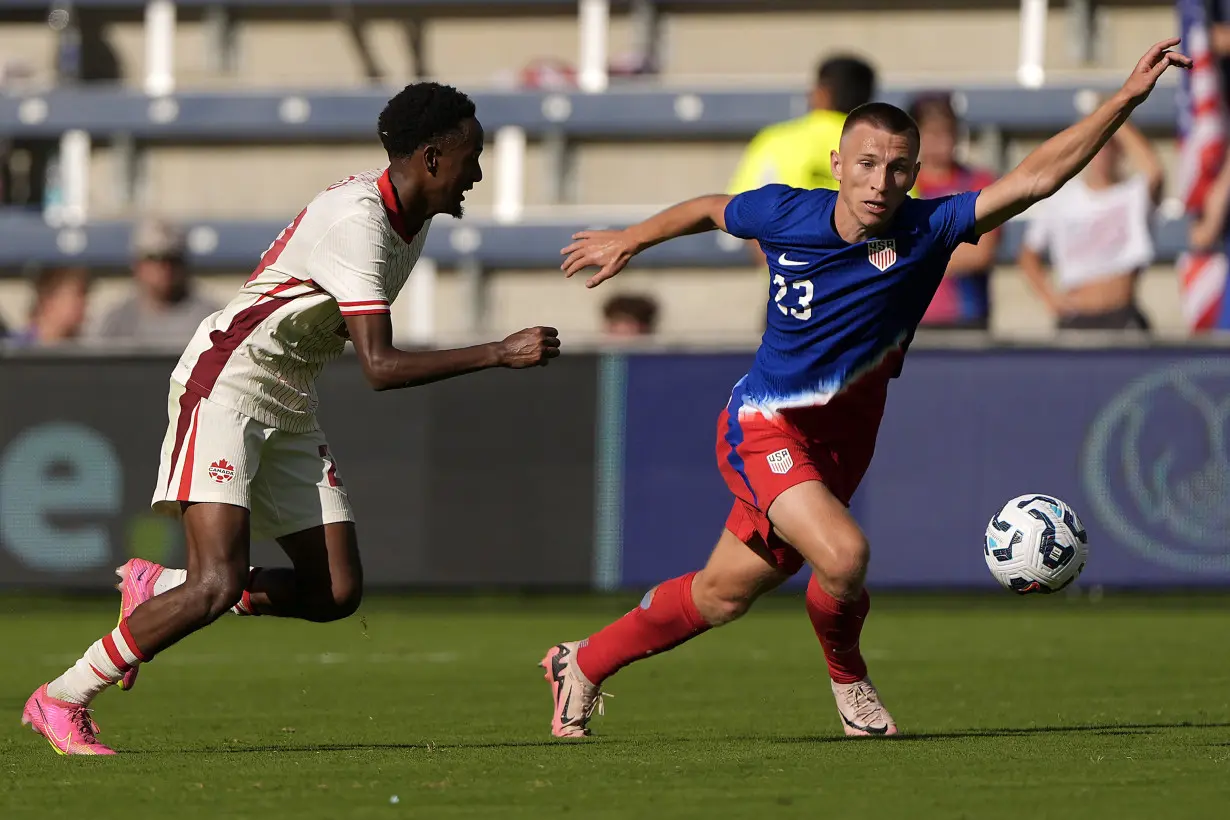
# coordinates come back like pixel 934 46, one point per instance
pixel 102 665
pixel 171 578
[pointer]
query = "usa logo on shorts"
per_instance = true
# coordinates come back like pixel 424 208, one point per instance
pixel 882 253
pixel 780 462
pixel 221 472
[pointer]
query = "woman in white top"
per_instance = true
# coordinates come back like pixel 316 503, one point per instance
pixel 1098 233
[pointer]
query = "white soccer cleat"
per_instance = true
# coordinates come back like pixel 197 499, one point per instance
pixel 862 713
pixel 573 696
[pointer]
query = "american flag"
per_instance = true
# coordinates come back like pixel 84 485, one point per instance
pixel 882 252
pixel 1202 148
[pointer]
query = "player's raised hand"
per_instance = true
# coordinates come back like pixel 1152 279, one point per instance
pixel 609 251
pixel 1151 66
pixel 532 347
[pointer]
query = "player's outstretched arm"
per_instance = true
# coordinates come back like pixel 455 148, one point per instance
pixel 1057 160
pixel 388 368
pixel 610 251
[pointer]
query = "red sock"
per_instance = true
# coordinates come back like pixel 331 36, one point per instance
pixel 666 618
pixel 838 625
pixel 245 605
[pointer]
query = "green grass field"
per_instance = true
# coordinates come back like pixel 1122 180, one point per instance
pixel 1012 708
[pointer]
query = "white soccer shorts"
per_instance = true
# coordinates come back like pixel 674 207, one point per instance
pixel 211 453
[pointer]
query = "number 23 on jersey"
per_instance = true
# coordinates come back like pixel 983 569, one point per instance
pixel 805 293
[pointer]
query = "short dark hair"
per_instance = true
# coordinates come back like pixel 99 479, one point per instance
pixel 641 309
pixel 933 104
pixel 50 280
pixel 422 114
pixel 885 116
pixel 850 82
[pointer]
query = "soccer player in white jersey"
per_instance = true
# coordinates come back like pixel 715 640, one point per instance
pixel 243 452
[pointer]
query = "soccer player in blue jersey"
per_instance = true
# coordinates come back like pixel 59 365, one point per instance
pixel 853 271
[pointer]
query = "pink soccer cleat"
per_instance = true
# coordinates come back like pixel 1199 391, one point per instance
pixel 862 713
pixel 136 586
pixel 573 696
pixel 68 727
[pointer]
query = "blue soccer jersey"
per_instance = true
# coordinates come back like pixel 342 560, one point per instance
pixel 836 310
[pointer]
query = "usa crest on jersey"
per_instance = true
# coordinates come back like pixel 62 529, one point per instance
pixel 780 462
pixel 882 253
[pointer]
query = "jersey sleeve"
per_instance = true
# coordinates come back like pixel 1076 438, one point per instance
pixel 952 219
pixel 750 215
pixel 349 264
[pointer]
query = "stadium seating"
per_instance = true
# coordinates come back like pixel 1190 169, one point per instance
pixel 294 100
pixel 297 115
pixel 526 246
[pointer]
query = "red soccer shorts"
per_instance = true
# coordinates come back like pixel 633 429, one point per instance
pixel 761 458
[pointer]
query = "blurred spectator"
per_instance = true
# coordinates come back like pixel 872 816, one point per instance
pixel 796 152
pixel 554 73
pixel 961 300
pixel 1207 229
pixel 58 313
pixel 164 312
pixel 629 316
pixel 1203 268
pixel 1097 232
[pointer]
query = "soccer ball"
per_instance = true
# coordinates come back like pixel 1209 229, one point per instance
pixel 1036 544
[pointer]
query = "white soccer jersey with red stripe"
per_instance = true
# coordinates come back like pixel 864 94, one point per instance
pixel 346 254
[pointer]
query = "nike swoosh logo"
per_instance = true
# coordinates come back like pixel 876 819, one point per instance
pixel 140 575
pixel 67 740
pixel 874 730
pixel 782 260
pixel 557 672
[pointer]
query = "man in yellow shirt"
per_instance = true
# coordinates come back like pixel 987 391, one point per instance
pixel 796 152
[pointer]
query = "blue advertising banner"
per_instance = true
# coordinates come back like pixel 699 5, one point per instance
pixel 1134 439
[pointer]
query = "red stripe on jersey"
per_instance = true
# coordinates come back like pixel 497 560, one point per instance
pixel 368 302
pixel 132 645
pixel 285 286
pixel 331 473
pixel 185 478
pixel 113 652
pixel 392 207
pixel 374 312
pixel 187 406
pixel 209 366
pixel 272 253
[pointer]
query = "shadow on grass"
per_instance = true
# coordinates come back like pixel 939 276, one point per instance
pixel 372 747
pixel 1111 730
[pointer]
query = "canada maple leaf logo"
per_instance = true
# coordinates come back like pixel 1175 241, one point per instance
pixel 221 471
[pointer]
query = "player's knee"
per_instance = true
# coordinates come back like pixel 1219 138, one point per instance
pixel 718 603
pixel 339 599
pixel 215 591
pixel 347 595
pixel 723 610
pixel 846 567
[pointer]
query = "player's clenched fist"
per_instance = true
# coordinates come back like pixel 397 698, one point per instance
pixel 529 347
